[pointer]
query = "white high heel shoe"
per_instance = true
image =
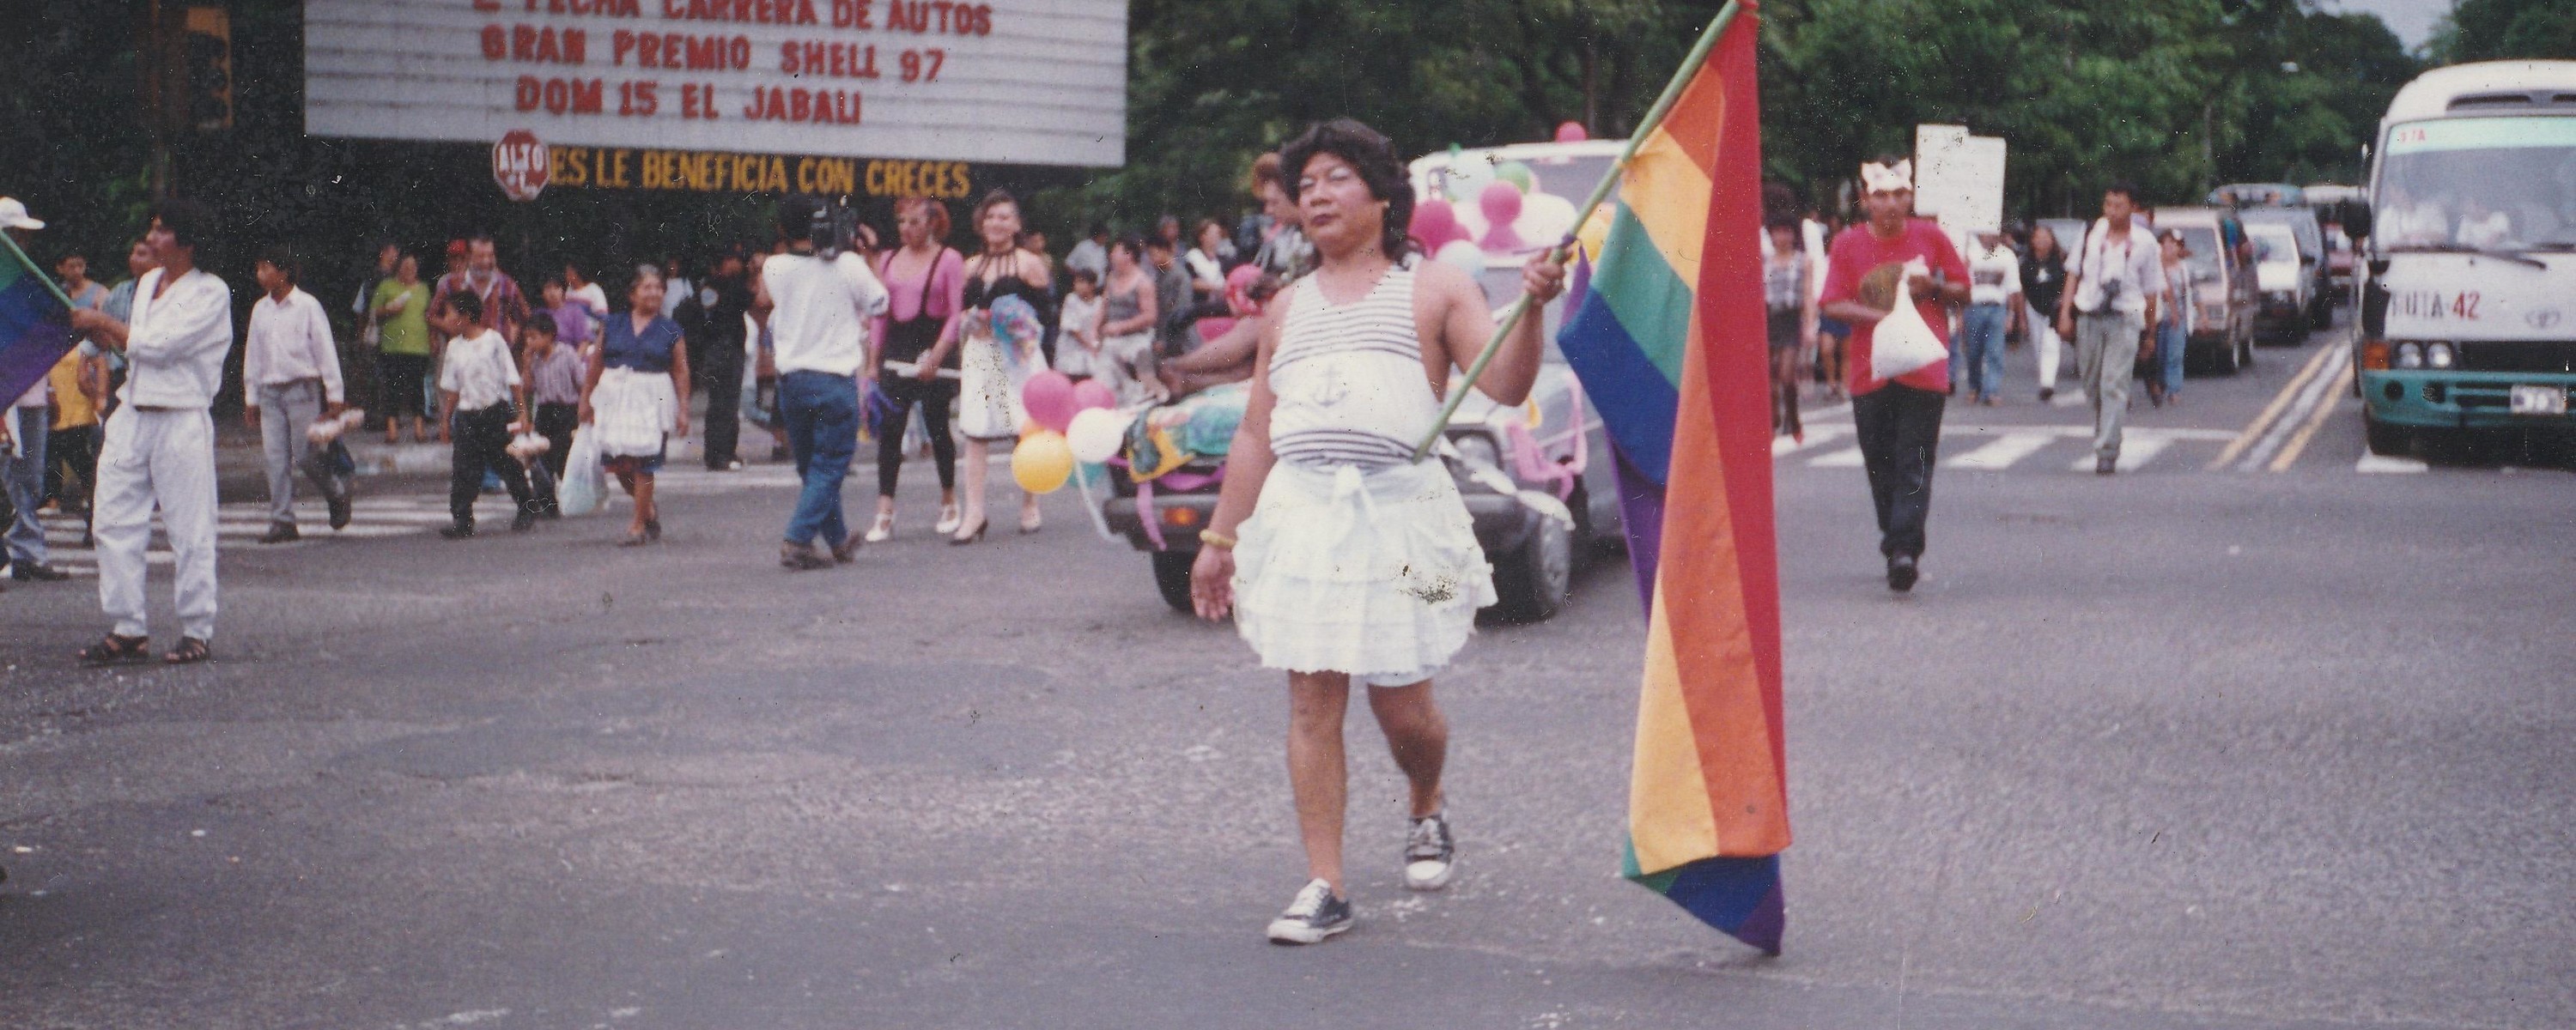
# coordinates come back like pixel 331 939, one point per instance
pixel 949 519
pixel 883 530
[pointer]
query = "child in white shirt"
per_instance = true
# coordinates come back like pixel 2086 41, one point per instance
pixel 1078 327
pixel 477 387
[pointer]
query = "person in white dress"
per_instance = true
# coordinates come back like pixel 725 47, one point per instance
pixel 1340 557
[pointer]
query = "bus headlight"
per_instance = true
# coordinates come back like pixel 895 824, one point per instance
pixel 2410 355
pixel 2438 355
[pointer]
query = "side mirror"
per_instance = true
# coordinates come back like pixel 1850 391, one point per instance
pixel 2355 216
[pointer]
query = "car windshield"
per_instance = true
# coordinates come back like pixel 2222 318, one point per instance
pixel 2479 183
pixel 1502 283
pixel 2202 242
pixel 2274 244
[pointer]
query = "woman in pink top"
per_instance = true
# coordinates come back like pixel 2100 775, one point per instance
pixel 916 357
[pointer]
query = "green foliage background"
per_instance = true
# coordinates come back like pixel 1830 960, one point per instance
pixel 2178 96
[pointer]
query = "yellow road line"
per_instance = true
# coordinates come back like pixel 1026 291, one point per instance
pixel 2325 410
pixel 2254 430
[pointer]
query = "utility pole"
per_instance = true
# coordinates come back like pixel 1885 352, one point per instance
pixel 155 46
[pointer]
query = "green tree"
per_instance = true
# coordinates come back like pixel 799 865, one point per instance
pixel 2490 30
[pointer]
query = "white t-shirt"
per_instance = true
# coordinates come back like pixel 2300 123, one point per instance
pixel 479 370
pixel 1994 276
pixel 1080 316
pixel 1206 269
pixel 820 320
pixel 594 298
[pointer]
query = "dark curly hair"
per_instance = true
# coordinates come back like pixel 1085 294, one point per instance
pixel 1373 156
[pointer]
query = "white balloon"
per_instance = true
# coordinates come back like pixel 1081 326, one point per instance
pixel 1097 433
pixel 1463 255
pixel 1545 218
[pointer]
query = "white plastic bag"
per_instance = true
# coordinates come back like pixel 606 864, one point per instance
pixel 585 484
pixel 1903 342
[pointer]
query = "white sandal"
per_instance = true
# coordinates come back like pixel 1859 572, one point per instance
pixel 949 519
pixel 883 530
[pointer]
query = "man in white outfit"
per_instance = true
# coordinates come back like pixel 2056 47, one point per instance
pixel 160 444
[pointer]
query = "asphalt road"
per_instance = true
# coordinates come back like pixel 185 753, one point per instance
pixel 2192 746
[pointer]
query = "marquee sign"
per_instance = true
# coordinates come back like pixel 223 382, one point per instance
pixel 1041 82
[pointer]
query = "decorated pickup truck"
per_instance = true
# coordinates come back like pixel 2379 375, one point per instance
pixel 1536 477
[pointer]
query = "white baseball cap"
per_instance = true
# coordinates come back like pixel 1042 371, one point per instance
pixel 13 215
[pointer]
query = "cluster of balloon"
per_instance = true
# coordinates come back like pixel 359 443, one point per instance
pixel 1497 207
pixel 1062 411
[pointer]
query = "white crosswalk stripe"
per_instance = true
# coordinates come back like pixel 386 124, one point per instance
pixel 2136 449
pixel 240 524
pixel 1997 449
pixel 2002 453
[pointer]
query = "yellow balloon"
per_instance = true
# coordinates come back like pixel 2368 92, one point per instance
pixel 1042 462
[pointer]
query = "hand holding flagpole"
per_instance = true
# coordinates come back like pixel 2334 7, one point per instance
pixel 1600 192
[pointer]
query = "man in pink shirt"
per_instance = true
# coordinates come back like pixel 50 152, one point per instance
pixel 1897 420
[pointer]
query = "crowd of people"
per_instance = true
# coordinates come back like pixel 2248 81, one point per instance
pixel 473 360
pixel 1340 560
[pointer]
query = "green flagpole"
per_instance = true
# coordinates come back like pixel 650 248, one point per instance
pixel 50 286
pixel 1600 192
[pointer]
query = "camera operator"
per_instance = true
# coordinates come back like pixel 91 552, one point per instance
pixel 2109 302
pixel 819 297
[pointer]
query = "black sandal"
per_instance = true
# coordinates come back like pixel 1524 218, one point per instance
pixel 189 652
pixel 113 649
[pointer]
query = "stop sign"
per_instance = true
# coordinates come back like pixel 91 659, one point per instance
pixel 519 165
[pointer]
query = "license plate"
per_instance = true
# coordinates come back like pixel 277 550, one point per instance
pixel 2539 400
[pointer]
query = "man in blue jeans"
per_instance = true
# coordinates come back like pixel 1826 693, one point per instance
pixel 1994 283
pixel 817 309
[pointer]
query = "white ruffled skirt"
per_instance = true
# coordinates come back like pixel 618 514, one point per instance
pixel 633 412
pixel 1371 574
pixel 988 396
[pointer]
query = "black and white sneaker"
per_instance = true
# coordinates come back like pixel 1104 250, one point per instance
pixel 1430 853
pixel 1317 913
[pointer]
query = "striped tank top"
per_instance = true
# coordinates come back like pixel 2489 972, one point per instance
pixel 1349 379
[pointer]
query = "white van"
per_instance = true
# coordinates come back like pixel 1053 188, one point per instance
pixel 2468 316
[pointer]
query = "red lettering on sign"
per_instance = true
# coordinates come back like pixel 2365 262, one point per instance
pixel 852 14
pixel 558 96
pixel 834 106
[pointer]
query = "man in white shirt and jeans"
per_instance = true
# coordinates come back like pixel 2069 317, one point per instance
pixel 160 443
pixel 290 379
pixel 1994 282
pixel 2110 301
pixel 818 310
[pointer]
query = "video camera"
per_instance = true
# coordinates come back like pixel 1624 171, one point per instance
pixel 835 229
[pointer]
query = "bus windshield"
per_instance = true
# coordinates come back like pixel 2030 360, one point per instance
pixel 2479 183
pixel 2202 243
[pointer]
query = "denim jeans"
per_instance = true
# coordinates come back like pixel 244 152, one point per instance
pixel 26 482
pixel 2171 342
pixel 822 412
pixel 1979 361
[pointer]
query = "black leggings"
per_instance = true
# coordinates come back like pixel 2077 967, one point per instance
pixel 934 398
pixel 403 373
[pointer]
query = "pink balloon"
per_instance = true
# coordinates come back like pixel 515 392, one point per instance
pixel 1571 132
pixel 1091 393
pixel 1049 399
pixel 1436 223
pixel 1501 203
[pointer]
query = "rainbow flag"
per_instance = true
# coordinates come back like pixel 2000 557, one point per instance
pixel 1669 340
pixel 35 326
